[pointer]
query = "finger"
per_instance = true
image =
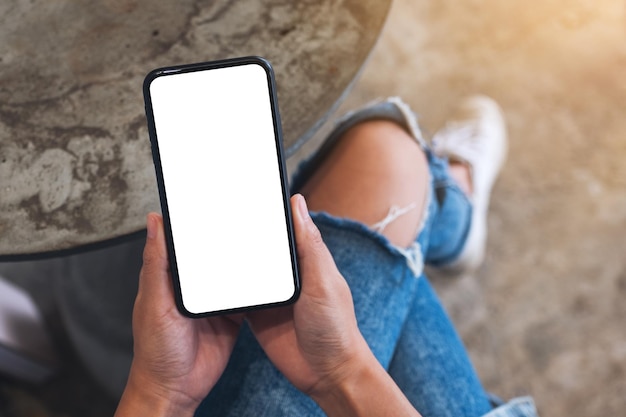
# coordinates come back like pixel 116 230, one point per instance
pixel 236 318
pixel 272 325
pixel 314 258
pixel 154 279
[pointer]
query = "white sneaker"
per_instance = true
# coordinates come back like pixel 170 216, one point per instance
pixel 475 135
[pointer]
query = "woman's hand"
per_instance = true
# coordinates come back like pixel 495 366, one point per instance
pixel 177 360
pixel 316 342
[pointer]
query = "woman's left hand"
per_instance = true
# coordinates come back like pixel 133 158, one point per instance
pixel 177 360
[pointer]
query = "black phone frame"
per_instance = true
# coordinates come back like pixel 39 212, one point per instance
pixel 202 66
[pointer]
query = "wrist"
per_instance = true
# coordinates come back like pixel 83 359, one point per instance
pixel 143 397
pixel 337 393
pixel 364 389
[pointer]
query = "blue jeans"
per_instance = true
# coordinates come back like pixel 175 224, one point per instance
pixel 397 310
pixel 398 313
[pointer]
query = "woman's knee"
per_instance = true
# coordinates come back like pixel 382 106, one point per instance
pixel 376 166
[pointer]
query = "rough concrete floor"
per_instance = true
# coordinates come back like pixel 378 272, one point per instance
pixel 546 313
pixel 544 316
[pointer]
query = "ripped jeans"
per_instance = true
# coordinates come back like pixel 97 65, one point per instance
pixel 397 311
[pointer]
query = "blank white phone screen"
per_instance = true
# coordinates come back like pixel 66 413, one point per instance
pixel 221 176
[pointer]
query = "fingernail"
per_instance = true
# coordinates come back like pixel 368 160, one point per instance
pixel 151 226
pixel 303 209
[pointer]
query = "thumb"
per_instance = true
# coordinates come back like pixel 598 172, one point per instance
pixel 154 278
pixel 316 262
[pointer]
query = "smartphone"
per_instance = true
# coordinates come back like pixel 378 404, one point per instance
pixel 217 148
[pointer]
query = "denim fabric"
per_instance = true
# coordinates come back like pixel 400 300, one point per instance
pixel 397 312
pixel 451 219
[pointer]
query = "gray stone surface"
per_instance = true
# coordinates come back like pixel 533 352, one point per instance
pixel 75 164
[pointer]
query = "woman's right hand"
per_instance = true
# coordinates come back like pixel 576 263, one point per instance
pixel 315 343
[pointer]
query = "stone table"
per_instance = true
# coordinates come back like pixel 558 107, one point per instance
pixel 75 163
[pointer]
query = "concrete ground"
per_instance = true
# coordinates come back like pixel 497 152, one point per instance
pixel 545 314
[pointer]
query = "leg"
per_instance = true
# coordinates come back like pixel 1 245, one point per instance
pixel 450 213
pixel 375 166
pixel 461 174
pixel 474 139
pixel 381 282
pixel 431 365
